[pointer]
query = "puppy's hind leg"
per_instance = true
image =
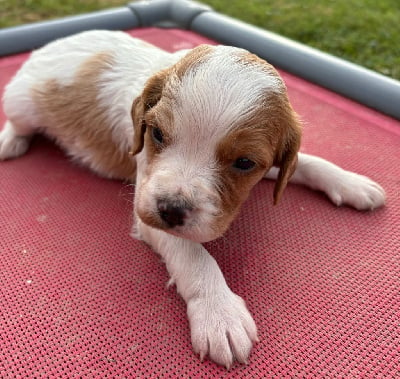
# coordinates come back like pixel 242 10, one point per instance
pixel 22 115
pixel 14 140
pixel 341 186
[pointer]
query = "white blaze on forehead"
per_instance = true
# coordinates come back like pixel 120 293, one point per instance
pixel 221 92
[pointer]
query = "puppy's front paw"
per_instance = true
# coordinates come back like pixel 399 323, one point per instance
pixel 357 191
pixel 222 327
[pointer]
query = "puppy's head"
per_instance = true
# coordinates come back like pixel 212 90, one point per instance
pixel 208 129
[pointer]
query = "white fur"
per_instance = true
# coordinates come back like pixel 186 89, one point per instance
pixel 12 145
pixel 221 325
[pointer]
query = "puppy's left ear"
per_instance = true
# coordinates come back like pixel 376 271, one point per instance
pixel 150 96
pixel 139 126
pixel 286 153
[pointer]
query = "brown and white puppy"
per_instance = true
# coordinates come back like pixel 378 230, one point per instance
pixel 208 124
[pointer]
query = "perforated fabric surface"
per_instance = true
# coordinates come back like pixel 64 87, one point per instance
pixel 80 298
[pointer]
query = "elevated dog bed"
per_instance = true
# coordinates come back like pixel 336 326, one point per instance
pixel 80 298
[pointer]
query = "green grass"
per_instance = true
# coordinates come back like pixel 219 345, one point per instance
pixel 366 32
pixel 15 12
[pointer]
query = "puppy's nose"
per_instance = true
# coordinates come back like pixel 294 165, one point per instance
pixel 173 213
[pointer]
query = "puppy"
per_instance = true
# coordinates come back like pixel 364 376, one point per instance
pixel 208 124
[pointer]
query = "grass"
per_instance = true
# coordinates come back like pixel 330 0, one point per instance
pixel 366 32
pixel 15 12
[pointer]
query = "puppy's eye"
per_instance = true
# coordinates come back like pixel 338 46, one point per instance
pixel 244 164
pixel 157 135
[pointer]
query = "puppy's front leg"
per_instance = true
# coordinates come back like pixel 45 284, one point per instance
pixel 221 326
pixel 341 186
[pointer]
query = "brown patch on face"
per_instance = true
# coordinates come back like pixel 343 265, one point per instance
pixel 153 106
pixel 75 117
pixel 270 137
pixel 251 142
pixel 159 117
pixel 283 124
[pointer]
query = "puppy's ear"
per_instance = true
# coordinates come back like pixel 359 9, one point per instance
pixel 150 96
pixel 139 126
pixel 286 153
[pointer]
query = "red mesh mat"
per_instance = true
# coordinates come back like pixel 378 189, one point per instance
pixel 80 298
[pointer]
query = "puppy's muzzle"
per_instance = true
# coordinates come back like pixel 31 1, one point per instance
pixel 173 212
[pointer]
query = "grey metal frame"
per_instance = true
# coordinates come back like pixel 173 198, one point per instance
pixel 353 81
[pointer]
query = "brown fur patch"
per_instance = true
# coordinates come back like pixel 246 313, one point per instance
pixel 270 137
pixel 250 142
pixel 148 110
pixel 282 123
pixel 74 116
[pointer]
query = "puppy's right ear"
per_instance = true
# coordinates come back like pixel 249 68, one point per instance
pixel 150 96
pixel 286 154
